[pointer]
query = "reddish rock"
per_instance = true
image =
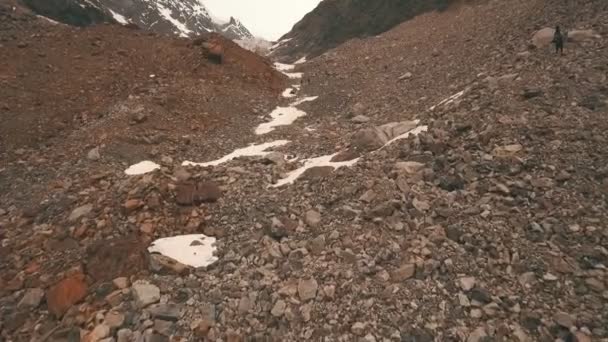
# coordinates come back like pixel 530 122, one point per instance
pixel 204 192
pixel 132 205
pixel 110 259
pixel 66 293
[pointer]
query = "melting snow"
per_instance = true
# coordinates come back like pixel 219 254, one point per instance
pixel 48 19
pixel 283 67
pixel 121 19
pixel 301 60
pixel 449 100
pixel 166 13
pixel 288 93
pixel 250 151
pixel 142 168
pixel 293 75
pixel 415 131
pixel 283 116
pixel 313 162
pixel 192 250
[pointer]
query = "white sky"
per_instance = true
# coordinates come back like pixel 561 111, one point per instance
pixel 269 19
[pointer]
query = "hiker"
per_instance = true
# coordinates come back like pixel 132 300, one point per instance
pixel 558 40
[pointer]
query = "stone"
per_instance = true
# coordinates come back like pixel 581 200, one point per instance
pixel 278 309
pixel 114 319
pixel 582 35
pixel 312 218
pixel 358 328
pixel 369 139
pixel 32 298
pixel 244 305
pixel 145 293
pixel 188 193
pixel 368 196
pixel 410 167
pixel 276 158
pixel 163 327
pixel 80 212
pixel 421 205
pixel 307 289
pixel 405 76
pixel 124 335
pixel 132 204
pixel 317 246
pixel 99 332
pixel 403 273
pixel 360 119
pixel 478 335
pixel 121 282
pixel 530 93
pixel 467 283
pixel 167 312
pixel 595 284
pixel 543 37
pixel 480 295
pixel 564 320
pixel 164 265
pixel 476 313
pixel 66 293
pixel 94 154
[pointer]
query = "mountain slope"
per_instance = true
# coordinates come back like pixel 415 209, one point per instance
pixel 335 21
pixel 186 18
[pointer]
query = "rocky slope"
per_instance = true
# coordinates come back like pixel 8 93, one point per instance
pixel 334 22
pixel 487 225
pixel 184 18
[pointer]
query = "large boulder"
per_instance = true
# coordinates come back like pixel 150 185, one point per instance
pixel 582 35
pixel 369 139
pixel 543 37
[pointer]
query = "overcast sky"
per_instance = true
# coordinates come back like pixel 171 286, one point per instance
pixel 269 19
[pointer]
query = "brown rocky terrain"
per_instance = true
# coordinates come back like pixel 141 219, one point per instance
pixel 334 22
pixel 488 226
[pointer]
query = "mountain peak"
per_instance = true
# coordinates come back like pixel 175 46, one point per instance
pixel 186 18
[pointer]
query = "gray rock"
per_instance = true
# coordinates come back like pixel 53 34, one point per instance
pixel 403 273
pixel 124 335
pixel 114 319
pixel 145 293
pixel 410 167
pixel 94 154
pixel 80 212
pixel 564 320
pixel 312 218
pixel 369 139
pixel 360 119
pixel 307 289
pixel 467 283
pixel 121 283
pixel 278 309
pixel 477 335
pixel 163 327
pixel 32 298
pixel 358 328
pixel 99 332
pixel 405 76
pixel 167 312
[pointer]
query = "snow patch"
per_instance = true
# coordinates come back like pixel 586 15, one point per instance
pixel 49 20
pixel 195 250
pixel 250 151
pixel 121 19
pixel 301 60
pixel 283 67
pixel 293 75
pixel 141 168
pixel 166 13
pixel 313 162
pixel 288 93
pixel 405 135
pixel 449 100
pixel 283 116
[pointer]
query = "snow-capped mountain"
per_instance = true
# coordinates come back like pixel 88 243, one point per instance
pixel 186 18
